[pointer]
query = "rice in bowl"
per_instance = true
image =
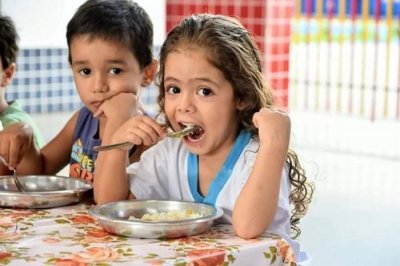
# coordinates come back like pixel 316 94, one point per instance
pixel 169 216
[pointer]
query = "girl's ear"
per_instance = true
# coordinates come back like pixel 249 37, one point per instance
pixel 240 105
pixel 149 73
pixel 8 75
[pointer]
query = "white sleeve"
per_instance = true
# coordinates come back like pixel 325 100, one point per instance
pixel 147 178
pixel 284 191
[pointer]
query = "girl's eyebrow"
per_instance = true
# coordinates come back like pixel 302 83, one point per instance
pixel 172 79
pixel 206 80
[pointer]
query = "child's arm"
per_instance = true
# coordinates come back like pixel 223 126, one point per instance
pixel 258 200
pixel 4 170
pixel 19 151
pixel 111 181
pixel 113 113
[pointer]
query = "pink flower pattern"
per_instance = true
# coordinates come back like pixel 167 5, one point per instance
pixel 69 236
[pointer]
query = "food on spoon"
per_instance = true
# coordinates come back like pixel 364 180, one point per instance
pixel 181 133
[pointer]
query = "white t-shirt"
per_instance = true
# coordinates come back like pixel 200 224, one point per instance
pixel 162 173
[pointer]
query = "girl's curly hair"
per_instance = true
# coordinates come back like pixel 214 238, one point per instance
pixel 301 193
pixel 232 50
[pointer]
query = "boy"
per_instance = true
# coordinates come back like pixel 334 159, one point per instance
pixel 110 53
pixel 11 112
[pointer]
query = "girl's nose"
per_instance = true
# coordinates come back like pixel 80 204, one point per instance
pixel 186 103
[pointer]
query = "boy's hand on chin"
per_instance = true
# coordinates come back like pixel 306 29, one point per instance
pixel 119 107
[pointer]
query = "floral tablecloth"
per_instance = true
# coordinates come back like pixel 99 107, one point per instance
pixel 70 236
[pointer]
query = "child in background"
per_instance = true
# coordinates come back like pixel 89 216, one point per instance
pixel 110 53
pixel 11 112
pixel 237 158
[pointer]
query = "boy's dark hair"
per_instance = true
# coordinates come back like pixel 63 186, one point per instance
pixel 8 41
pixel 121 21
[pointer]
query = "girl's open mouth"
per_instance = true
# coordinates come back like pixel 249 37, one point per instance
pixel 196 134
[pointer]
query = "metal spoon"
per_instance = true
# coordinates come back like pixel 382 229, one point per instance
pixel 16 180
pixel 170 133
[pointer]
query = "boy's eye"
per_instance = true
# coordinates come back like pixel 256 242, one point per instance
pixel 85 71
pixel 173 90
pixel 115 71
pixel 204 92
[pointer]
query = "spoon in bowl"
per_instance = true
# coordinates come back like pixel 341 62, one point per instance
pixel 15 178
pixel 16 181
pixel 170 133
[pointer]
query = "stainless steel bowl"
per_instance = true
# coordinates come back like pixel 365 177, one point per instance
pixel 113 217
pixel 41 191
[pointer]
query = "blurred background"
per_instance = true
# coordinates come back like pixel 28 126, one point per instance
pixel 334 66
